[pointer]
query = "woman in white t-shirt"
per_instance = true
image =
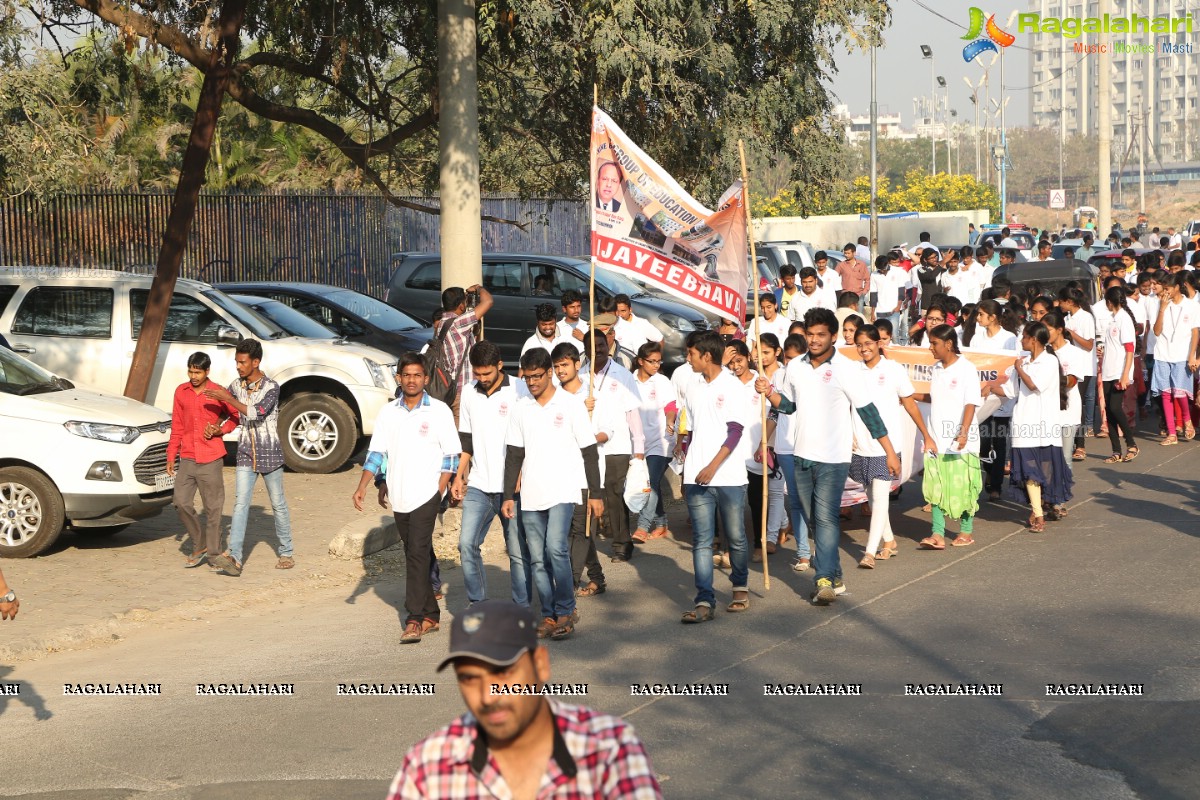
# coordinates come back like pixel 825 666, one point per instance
pixel 1039 471
pixel 657 411
pixel 953 479
pixel 1118 339
pixel 1176 334
pixel 1081 332
pixel 1074 365
pixel 750 449
pixel 890 388
pixel 986 333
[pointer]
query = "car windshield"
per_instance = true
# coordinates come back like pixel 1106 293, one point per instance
pixel 260 326
pixel 614 283
pixel 18 376
pixel 286 317
pixel 376 312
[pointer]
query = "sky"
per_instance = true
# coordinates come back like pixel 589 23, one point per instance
pixel 903 74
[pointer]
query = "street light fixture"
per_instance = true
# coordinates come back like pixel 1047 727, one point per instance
pixel 927 53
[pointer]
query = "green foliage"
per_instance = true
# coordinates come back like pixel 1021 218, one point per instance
pixel 355 84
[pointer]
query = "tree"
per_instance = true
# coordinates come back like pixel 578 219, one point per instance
pixel 686 77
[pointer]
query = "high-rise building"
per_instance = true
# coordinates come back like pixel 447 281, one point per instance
pixel 1154 77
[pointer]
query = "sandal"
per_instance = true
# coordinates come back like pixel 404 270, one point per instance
pixel 412 632
pixel 1079 455
pixel 962 540
pixel 430 626
pixel 1053 514
pixel 196 559
pixel 1133 453
pixel 659 533
pixel 640 536
pixel 886 552
pixel 591 590
pixel 737 606
pixel 933 543
pixel 772 548
pixel 563 628
pixel 1169 440
pixel 867 562
pixel 1113 459
pixel 285 562
pixel 546 627
pixel 1189 432
pixel 697 615
pixel 993 496
pixel 927 507
pixel 227 564
pixel 1037 524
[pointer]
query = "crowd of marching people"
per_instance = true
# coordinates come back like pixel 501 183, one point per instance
pixel 555 451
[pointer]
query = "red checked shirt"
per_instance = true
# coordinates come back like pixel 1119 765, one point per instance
pixel 190 413
pixel 459 340
pixel 595 756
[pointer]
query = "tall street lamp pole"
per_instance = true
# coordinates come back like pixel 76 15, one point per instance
pixel 927 53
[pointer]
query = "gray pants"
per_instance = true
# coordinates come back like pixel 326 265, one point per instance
pixel 191 477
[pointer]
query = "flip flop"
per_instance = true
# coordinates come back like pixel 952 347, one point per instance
pixel 962 540
pixel 196 559
pixel 932 543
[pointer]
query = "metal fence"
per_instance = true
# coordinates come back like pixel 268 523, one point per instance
pixel 343 239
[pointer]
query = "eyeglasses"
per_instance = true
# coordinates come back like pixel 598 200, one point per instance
pixel 533 377
pixel 649 361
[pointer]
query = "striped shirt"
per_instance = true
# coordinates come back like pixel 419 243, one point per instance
pixel 595 756
pixel 459 341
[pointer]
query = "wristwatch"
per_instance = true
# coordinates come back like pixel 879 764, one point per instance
pixel 8 598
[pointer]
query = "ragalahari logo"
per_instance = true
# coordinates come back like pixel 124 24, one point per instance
pixel 983 24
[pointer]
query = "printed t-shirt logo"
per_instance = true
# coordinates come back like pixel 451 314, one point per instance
pixel 424 429
pixel 558 420
pixel 503 410
pixel 827 376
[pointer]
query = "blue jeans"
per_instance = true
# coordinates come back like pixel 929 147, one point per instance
pixel 244 481
pixel 479 509
pixel 652 514
pixel 704 504
pixel 787 465
pixel 820 488
pixel 548 536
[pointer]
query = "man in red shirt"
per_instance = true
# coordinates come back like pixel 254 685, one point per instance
pixel 856 276
pixel 197 424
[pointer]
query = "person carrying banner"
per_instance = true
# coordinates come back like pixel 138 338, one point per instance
pixel 953 478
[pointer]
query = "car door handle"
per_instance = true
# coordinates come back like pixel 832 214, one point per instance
pixel 24 349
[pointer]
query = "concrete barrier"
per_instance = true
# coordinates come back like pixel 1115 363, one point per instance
pixel 369 534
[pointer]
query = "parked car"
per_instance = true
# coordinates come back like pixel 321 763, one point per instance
pixel 416 287
pixel 84 327
pixel 797 254
pixel 286 317
pixel 355 316
pixel 74 457
pixel 1052 276
pixel 1026 246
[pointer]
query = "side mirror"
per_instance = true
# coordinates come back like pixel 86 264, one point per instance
pixel 228 335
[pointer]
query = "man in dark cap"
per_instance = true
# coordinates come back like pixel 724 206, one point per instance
pixel 515 741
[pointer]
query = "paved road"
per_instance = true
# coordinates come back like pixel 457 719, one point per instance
pixel 1107 596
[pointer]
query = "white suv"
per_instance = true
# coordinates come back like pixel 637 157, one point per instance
pixel 83 324
pixel 72 456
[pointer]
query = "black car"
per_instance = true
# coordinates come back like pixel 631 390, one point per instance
pixel 519 282
pixel 1052 276
pixel 357 317
pixel 286 317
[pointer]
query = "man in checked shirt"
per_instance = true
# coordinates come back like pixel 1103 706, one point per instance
pixel 515 741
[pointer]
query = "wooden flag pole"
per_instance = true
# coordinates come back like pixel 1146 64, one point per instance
pixel 587 512
pixel 762 398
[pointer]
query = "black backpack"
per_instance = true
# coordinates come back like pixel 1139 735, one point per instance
pixel 443 382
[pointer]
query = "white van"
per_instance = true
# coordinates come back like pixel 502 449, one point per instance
pixel 70 456
pixel 83 324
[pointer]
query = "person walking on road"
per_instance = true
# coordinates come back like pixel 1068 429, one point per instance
pixel 256 399
pixel 416 435
pixel 197 424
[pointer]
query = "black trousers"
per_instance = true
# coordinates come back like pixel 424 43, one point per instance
pixel 616 515
pixel 993 436
pixel 583 548
pixel 416 531
pixel 1118 423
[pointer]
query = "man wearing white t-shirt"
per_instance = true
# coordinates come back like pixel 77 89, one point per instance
pixel 823 389
pixel 416 436
pixel 810 296
pixel 887 285
pixel 571 325
pixel 487 406
pixel 547 334
pixel 552 450
pixel 829 282
pixel 631 330
pixel 714 478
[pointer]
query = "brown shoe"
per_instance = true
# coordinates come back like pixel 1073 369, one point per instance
pixel 412 632
pixel 546 627
pixel 563 628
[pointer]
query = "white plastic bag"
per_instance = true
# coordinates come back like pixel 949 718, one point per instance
pixel 637 485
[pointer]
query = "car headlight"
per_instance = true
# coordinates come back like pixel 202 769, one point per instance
pixel 103 431
pixel 380 375
pixel 681 324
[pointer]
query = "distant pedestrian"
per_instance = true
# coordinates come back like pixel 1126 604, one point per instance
pixel 632 331
pixel 260 452
pixel 514 741
pixel 487 408
pixel 197 424
pixel 546 333
pixel 462 317
pixel 417 437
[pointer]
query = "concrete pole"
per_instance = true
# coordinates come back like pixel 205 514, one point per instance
pixel 874 161
pixel 458 145
pixel 932 116
pixel 1104 128
pixel 1141 145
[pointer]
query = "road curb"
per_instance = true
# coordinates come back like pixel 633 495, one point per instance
pixel 364 536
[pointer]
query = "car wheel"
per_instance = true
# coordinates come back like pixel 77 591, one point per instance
pixel 318 433
pixel 31 512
